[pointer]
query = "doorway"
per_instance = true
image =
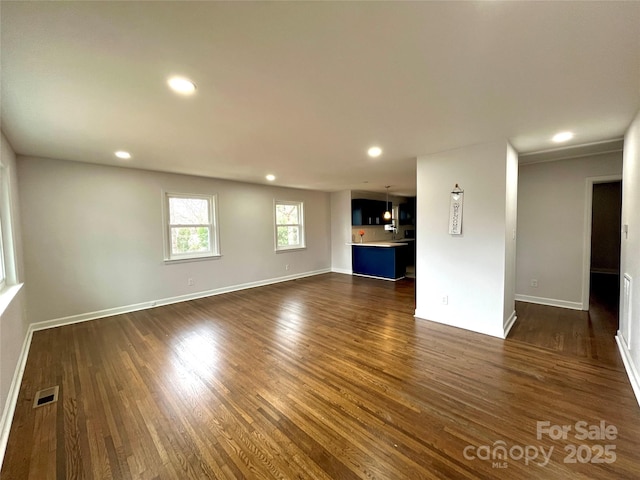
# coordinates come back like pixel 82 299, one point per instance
pixel 604 264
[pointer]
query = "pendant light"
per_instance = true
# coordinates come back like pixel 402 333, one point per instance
pixel 387 213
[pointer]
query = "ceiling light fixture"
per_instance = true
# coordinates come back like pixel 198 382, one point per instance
pixel 374 152
pixel 182 85
pixel 387 213
pixel 123 155
pixel 270 177
pixel 562 137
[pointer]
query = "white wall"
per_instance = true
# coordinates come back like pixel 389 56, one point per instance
pixel 511 219
pixel 93 237
pixel 551 227
pixel 469 269
pixel 13 331
pixel 630 258
pixel 341 232
pixel 13 321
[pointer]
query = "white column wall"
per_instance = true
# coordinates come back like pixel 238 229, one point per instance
pixel 468 269
pixel 511 203
pixel 341 232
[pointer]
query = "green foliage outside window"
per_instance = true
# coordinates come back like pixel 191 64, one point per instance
pixel 190 240
pixel 288 225
pixel 191 226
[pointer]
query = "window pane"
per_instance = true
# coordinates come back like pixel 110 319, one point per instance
pixel 190 240
pixel 188 211
pixel 288 236
pixel 287 214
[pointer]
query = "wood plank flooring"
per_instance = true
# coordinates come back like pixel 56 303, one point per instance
pixel 574 332
pixel 328 377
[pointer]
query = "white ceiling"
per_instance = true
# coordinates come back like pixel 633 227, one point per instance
pixel 302 89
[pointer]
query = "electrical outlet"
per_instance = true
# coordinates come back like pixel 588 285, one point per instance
pixel 286 267
pixel 445 299
pixel 534 283
pixel 190 282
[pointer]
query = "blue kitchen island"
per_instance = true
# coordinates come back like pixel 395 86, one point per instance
pixel 386 260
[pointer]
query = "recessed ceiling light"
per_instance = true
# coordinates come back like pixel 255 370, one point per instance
pixel 182 85
pixel 270 177
pixel 374 152
pixel 123 155
pixel 562 137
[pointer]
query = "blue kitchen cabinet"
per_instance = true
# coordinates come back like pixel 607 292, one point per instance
pixel 379 261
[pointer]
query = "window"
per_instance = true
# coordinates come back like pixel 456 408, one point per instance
pixel 191 227
pixel 289 225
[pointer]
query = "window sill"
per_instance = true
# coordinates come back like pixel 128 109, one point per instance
pixel 291 249
pixel 169 261
pixel 7 295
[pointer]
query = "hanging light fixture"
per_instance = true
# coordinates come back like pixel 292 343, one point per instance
pixel 387 213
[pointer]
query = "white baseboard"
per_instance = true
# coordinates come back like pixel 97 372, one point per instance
pixel 377 278
pixel 552 302
pixel 632 373
pixel 83 317
pixel 342 270
pixel 12 396
pixel 509 324
pixel 420 315
pixel 452 323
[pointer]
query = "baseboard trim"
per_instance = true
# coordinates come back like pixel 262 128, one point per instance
pixel 84 317
pixel 342 270
pixel 630 368
pixel 452 323
pixel 552 302
pixel 377 278
pixel 509 324
pixel 12 396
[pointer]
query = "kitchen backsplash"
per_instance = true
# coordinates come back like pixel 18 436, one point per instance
pixel 375 233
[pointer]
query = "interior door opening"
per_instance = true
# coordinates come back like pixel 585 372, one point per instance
pixel 605 245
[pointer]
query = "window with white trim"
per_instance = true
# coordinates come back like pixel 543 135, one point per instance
pixel 191 226
pixel 289 225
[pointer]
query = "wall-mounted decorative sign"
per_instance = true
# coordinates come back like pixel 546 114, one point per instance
pixel 455 211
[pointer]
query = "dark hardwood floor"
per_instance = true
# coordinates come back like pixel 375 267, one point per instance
pixel 328 377
pixel 574 332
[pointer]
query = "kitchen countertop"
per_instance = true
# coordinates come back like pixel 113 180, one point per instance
pixel 392 243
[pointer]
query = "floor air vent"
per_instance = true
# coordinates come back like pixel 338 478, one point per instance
pixel 46 396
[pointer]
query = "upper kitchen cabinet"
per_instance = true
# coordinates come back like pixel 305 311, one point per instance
pixel 407 212
pixel 368 212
